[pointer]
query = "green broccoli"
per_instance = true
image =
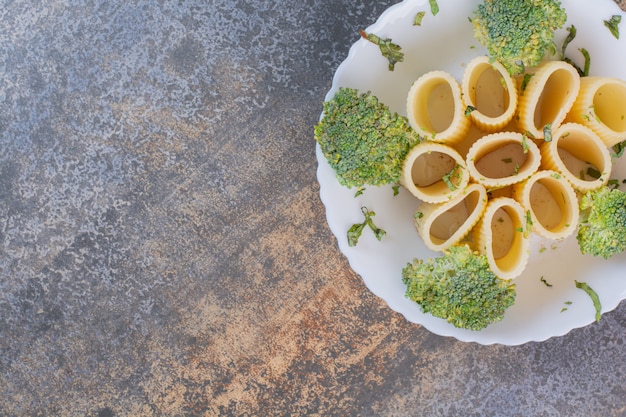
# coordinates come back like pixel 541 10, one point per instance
pixel 459 287
pixel 362 140
pixel 517 33
pixel 602 229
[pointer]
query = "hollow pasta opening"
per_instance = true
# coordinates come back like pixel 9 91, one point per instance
pixel 557 89
pixel 450 221
pixel 609 104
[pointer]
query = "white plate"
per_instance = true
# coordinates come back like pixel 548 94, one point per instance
pixel 446 42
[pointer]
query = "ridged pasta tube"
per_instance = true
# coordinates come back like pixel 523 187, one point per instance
pixel 601 106
pixel 443 225
pixel 579 155
pixel 434 172
pixel 547 97
pixel 501 159
pixel 503 236
pixel 552 203
pixel 435 108
pixel 491 92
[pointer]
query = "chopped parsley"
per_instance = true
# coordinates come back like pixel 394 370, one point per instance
pixel 612 24
pixel 390 50
pixel 593 295
pixel 355 231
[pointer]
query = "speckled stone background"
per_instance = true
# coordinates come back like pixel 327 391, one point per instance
pixel 163 249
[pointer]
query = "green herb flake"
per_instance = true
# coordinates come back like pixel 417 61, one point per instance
pixel 529 224
pixel 525 81
pixel 563 309
pixel 612 24
pixel 619 149
pixel 524 143
pixel 454 174
pixel 355 231
pixel 546 283
pixel 418 215
pixel 593 173
pixel 396 190
pixel 469 110
pixel 587 61
pixel 417 20
pixel 547 132
pixel 434 7
pixel 593 295
pixel 571 34
pixel 542 249
pixel 613 183
pixel 390 50
pixel 359 191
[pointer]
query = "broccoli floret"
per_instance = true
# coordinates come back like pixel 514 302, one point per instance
pixel 459 287
pixel 517 33
pixel 362 140
pixel 602 229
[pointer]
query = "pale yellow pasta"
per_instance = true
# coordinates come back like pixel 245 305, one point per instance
pixel 502 236
pixel 601 106
pixel 552 203
pixel 579 155
pixel 501 159
pixel 435 108
pixel 434 172
pixel 443 225
pixel 547 97
pixel 492 93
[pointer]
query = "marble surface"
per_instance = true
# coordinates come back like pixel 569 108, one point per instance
pixel 163 248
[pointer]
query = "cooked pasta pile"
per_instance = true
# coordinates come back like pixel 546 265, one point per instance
pixel 504 157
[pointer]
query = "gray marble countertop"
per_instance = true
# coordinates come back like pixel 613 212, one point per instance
pixel 163 247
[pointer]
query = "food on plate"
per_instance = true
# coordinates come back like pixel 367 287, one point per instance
pixel 547 97
pixel 501 159
pixel 362 140
pixel 552 203
pixel 602 230
pixel 490 94
pixel 460 287
pixel 579 155
pixel 443 225
pixel 502 235
pixel 519 145
pixel 518 33
pixel 435 108
pixel 601 106
pixel 434 172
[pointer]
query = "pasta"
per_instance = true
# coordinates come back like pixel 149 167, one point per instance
pixel 601 106
pixel 435 108
pixel 516 162
pixel 434 172
pixel 446 224
pixel 501 236
pixel 502 159
pixel 547 97
pixel 491 92
pixel 552 203
pixel 579 155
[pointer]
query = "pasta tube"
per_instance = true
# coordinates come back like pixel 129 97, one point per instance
pixel 502 235
pixel 434 172
pixel 579 155
pixel 552 203
pixel 501 159
pixel 435 108
pixel 547 97
pixel 490 93
pixel 601 106
pixel 443 225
